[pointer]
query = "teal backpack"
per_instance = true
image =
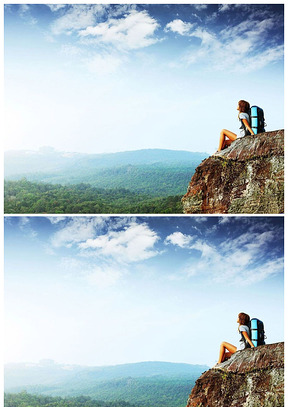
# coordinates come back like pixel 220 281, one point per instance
pixel 257 332
pixel 257 119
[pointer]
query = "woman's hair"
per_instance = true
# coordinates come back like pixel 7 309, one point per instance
pixel 243 106
pixel 244 319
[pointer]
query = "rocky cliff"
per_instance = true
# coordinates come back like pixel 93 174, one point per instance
pixel 251 378
pixel 246 177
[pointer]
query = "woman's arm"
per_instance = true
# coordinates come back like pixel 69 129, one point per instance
pixel 247 125
pixel 246 336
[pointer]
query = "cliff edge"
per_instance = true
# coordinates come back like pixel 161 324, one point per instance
pixel 250 378
pixel 246 177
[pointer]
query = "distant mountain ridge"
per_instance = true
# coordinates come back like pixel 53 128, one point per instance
pixel 17 374
pixel 47 159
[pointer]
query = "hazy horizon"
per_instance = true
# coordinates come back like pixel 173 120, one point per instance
pixel 49 362
pixel 107 78
pixel 46 147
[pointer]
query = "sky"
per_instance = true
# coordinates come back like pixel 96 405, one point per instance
pixel 100 78
pixel 108 290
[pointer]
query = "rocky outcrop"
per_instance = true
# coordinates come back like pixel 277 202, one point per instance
pixel 246 177
pixel 250 378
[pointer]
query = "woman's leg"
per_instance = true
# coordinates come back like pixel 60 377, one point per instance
pixel 223 355
pixel 226 133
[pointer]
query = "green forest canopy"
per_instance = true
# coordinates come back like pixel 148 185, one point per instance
pixel 25 399
pixel 32 197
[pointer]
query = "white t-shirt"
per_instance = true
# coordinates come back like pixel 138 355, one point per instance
pixel 243 130
pixel 243 343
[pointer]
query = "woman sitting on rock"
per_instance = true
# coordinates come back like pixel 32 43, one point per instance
pixel 226 349
pixel 245 129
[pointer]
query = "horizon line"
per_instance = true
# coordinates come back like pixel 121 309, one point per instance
pixel 51 148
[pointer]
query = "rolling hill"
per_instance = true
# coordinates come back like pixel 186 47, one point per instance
pixel 46 159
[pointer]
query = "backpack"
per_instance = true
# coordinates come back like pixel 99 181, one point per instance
pixel 257 119
pixel 257 332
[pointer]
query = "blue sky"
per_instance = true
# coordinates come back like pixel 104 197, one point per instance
pixel 106 78
pixel 107 290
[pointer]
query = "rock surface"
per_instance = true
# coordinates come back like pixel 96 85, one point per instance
pixel 246 177
pixel 251 378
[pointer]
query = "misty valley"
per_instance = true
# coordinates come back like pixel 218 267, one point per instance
pixel 146 384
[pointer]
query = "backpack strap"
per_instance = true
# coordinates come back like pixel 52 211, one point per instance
pixel 247 132
pixel 247 344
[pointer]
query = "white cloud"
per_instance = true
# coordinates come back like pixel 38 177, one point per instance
pixel 101 261
pixel 26 227
pixel 249 240
pixel 259 61
pixel 225 219
pixel 24 12
pixel 240 257
pixel 242 260
pixel 55 7
pixel 250 29
pixel 135 30
pixel 243 45
pixel 56 219
pixel 23 221
pixel 134 243
pixel 225 7
pixel 121 9
pixel 200 7
pixel 207 251
pixel 201 219
pixel 180 27
pixel 205 36
pixel 179 239
pixel 77 17
pixel 77 230
pixel 270 268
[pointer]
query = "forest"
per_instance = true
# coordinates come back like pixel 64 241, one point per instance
pixel 141 392
pixel 24 196
pixel 25 399
pixel 135 392
pixel 155 180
